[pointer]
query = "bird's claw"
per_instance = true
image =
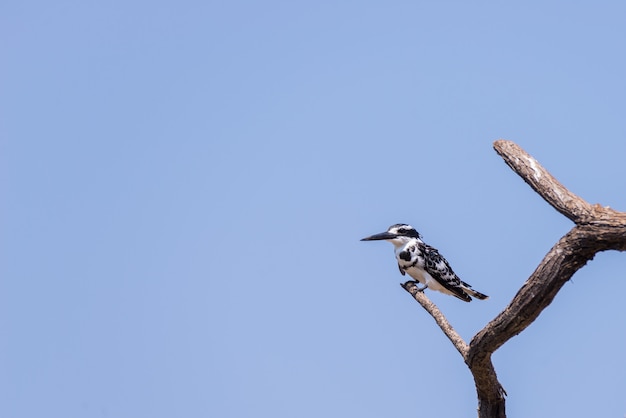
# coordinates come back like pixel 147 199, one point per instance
pixel 414 283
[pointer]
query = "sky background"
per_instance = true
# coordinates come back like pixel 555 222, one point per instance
pixel 185 185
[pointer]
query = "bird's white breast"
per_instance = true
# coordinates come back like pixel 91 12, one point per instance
pixel 412 265
pixel 416 271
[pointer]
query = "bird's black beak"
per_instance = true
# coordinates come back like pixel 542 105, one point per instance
pixel 381 236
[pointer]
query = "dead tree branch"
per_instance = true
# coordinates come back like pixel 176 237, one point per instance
pixel 440 319
pixel 596 229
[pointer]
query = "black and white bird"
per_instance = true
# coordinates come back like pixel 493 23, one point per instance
pixel 424 263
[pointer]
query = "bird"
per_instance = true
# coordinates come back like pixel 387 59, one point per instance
pixel 424 263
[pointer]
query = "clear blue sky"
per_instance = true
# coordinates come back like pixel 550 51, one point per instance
pixel 184 186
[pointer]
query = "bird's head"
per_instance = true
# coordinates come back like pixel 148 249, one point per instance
pixel 398 234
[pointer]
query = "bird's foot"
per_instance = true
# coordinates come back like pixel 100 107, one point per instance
pixel 414 283
pixel 405 285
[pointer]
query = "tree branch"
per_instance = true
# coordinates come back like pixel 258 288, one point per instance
pixel 597 229
pixel 557 267
pixel 439 318
pixel 541 181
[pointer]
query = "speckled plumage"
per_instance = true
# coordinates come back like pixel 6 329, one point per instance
pixel 424 264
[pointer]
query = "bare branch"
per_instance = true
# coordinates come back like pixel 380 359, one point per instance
pixel 557 267
pixel 568 255
pixel 597 229
pixel 549 188
pixel 439 318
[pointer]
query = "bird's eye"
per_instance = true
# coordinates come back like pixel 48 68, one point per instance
pixel 402 230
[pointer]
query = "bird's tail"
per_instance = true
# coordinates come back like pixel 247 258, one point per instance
pixel 474 293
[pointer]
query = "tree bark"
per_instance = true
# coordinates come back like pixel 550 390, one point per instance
pixel 596 229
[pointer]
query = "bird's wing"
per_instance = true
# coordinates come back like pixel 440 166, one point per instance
pixel 440 270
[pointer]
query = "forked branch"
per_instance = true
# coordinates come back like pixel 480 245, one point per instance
pixel 597 229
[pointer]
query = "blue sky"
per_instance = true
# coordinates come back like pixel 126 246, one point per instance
pixel 185 185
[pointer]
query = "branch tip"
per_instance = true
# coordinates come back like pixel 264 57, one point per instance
pixel 542 182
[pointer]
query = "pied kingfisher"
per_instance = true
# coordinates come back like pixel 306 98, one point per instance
pixel 424 263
